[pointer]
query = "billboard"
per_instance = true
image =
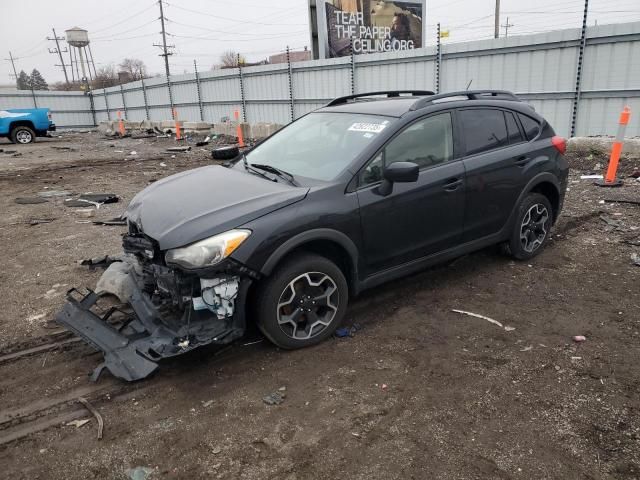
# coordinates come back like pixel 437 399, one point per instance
pixel 370 25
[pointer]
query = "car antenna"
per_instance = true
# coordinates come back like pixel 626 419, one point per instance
pixel 469 84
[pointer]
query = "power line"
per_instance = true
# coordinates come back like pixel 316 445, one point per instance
pixel 232 19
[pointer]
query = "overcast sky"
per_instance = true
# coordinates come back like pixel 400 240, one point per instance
pixel 203 29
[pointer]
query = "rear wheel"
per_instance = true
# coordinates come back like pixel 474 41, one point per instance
pixel 22 134
pixel 532 227
pixel 302 302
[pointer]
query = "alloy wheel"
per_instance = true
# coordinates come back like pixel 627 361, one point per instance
pixel 533 229
pixel 307 305
pixel 24 136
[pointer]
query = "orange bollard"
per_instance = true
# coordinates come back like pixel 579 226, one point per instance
pixel 239 129
pixel 610 179
pixel 178 133
pixel 121 124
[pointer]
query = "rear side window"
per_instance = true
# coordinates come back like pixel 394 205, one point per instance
pixel 484 129
pixel 512 129
pixel 531 126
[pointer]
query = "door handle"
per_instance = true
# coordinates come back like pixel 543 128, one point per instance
pixel 522 160
pixel 452 184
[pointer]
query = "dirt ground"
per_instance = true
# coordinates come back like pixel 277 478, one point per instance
pixel 418 392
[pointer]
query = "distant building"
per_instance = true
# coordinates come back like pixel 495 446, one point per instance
pixel 296 56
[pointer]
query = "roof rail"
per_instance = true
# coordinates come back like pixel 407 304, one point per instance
pixel 469 94
pixel 388 93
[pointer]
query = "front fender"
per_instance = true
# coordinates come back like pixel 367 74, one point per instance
pixel 308 236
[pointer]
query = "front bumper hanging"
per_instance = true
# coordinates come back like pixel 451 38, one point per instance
pixel 132 350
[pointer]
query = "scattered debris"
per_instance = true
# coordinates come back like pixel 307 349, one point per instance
pixel 526 349
pixel 59 147
pixel 208 403
pixel 38 221
pixel 30 200
pixel 579 338
pixel 635 258
pixel 490 320
pixel 632 202
pixel 86 212
pixel 95 199
pixel 100 262
pixel 162 164
pixel 178 149
pixel 54 193
pixel 614 224
pixel 139 473
pixel 117 221
pixel 133 152
pixel 216 450
pixel 95 413
pixel 275 398
pixel 347 331
pixel 78 423
pixel 591 177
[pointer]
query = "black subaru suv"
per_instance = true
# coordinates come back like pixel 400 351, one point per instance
pixel 369 188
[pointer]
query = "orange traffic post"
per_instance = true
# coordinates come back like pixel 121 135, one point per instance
pixel 178 133
pixel 239 129
pixel 610 179
pixel 121 124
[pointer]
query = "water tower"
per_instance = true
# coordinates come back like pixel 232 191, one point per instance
pixel 78 38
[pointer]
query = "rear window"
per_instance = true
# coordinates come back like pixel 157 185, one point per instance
pixel 484 129
pixel 512 128
pixel 531 127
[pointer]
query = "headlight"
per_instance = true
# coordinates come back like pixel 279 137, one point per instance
pixel 207 252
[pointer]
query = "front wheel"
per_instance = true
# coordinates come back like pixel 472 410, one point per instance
pixel 532 227
pixel 302 302
pixel 23 135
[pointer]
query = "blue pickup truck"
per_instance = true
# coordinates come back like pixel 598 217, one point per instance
pixel 23 125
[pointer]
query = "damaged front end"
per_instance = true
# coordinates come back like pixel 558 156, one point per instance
pixel 173 310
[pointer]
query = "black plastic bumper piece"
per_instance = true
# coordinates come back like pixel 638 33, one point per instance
pixel 120 356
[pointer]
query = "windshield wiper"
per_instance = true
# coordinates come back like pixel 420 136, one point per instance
pixel 249 168
pixel 276 171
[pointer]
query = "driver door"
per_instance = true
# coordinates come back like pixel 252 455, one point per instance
pixel 420 218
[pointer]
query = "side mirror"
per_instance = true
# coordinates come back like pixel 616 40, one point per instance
pixel 398 172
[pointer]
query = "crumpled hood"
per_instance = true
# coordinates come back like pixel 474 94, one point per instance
pixel 196 204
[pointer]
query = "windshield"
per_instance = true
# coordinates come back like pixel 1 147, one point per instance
pixel 319 145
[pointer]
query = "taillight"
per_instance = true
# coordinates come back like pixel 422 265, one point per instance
pixel 49 115
pixel 560 143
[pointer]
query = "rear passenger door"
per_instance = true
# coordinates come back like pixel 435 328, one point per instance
pixel 496 156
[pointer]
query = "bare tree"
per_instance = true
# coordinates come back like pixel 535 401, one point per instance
pixel 229 59
pixel 135 68
pixel 106 76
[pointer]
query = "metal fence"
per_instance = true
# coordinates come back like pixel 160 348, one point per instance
pixel 543 69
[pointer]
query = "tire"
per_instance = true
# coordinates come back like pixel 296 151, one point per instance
pixel 532 227
pixel 22 134
pixel 291 284
pixel 225 153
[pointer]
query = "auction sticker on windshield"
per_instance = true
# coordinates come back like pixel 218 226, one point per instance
pixel 367 127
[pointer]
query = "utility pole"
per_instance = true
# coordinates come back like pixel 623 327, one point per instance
pixel 15 74
pixel 496 32
pixel 165 52
pixel 506 27
pixel 59 52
